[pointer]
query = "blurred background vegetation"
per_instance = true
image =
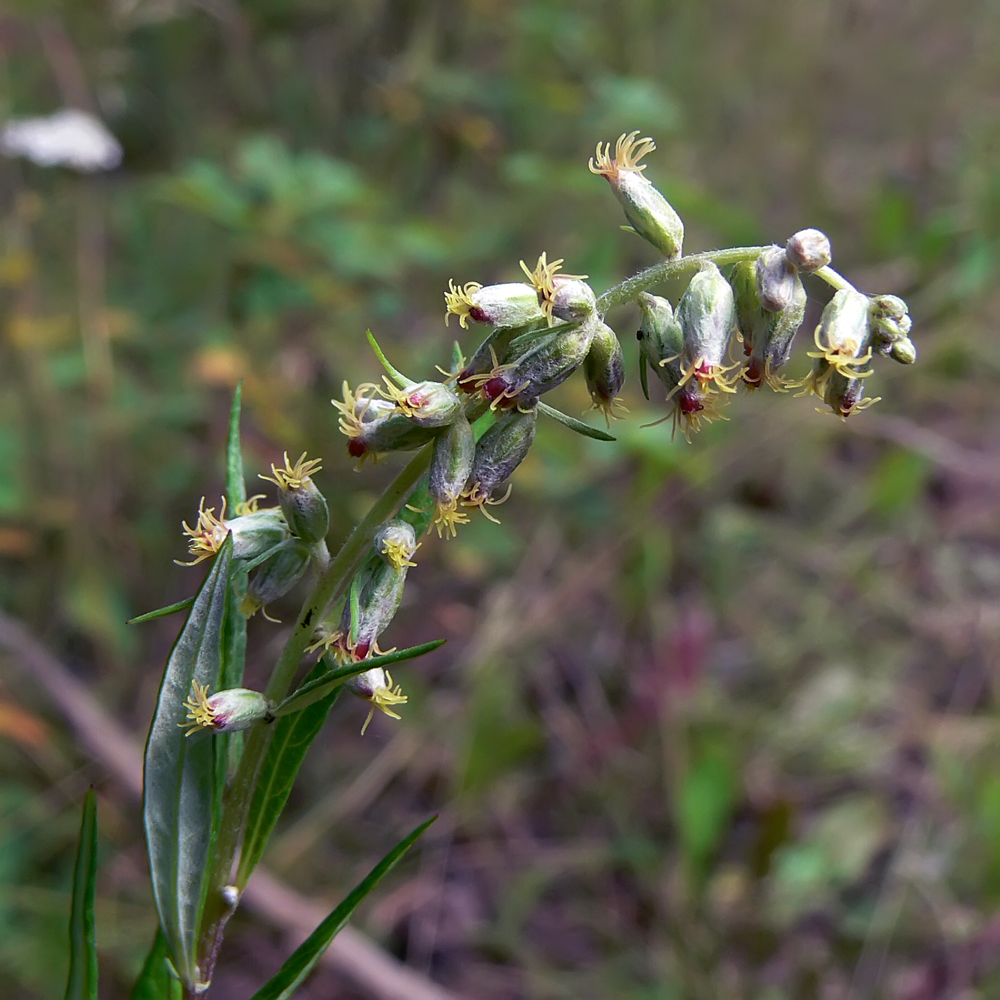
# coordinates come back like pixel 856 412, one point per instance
pixel 714 721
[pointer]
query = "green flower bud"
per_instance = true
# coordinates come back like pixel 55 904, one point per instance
pixel 498 453
pixel 776 279
pixel 376 686
pixel 380 589
pixel 301 502
pixel 661 345
pixel 809 250
pixel 604 369
pixel 508 305
pixel 427 404
pixel 374 426
pixel 562 296
pixel 275 577
pixel 845 394
pixel 451 465
pixel 226 711
pixel 396 542
pixel 890 324
pixel 904 351
pixel 706 313
pixel 253 532
pixel 651 216
pixel 842 340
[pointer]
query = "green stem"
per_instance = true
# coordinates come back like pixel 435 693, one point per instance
pixel 329 587
pixel 631 288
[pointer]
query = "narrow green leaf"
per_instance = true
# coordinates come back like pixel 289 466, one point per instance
pixel 457 357
pixel 181 786
pixel 170 609
pixel 291 739
pixel 82 981
pixel 236 487
pixel 156 981
pixel 318 685
pixel 395 375
pixel 573 424
pixel 303 960
pixel 643 375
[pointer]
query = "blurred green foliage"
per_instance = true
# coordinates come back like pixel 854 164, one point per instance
pixel 714 721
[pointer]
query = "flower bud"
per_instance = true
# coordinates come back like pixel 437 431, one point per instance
pixel 301 502
pixel 842 340
pixel 776 279
pixel 904 351
pixel 604 369
pixel 226 711
pixel 651 216
pixel 706 313
pixel 809 250
pixel 380 589
pixel 845 394
pixel 376 686
pixel 396 542
pixel 427 404
pixel 253 533
pixel 375 426
pixel 751 317
pixel 541 368
pixel 890 324
pixel 507 305
pixel 498 453
pixel 451 465
pixel 275 577
pixel 562 296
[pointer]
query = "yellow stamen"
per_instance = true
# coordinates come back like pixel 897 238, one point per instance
pixel 382 697
pixel 398 553
pixel 200 714
pixel 208 534
pixel 293 477
pixel 628 152
pixel 458 300
pixel 354 407
pixel 249 506
pixel 447 518
pixel 476 498
pixel 606 407
pixel 543 279
pixel 844 358
pixel 401 397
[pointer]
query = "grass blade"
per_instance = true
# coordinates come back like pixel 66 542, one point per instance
pixel 236 487
pixel 285 754
pixel 156 981
pixel 573 424
pixel 82 981
pixel 181 786
pixel 303 960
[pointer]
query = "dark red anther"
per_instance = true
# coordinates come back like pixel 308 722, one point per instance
pixel 362 649
pixel 495 388
pixel 703 372
pixel 356 447
pixel 690 402
pixel 466 380
pixel 479 315
pixel 753 376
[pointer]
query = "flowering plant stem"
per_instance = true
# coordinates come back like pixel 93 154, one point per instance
pixel 331 585
pixel 631 288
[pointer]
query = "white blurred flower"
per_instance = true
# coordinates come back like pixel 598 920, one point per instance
pixel 68 138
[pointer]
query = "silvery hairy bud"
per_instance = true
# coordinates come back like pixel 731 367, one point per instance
pixel 380 589
pixel 651 216
pixel 809 250
pixel 253 532
pixel 226 711
pixel 301 502
pixel 427 404
pixel 498 453
pixel 503 306
pixel 276 577
pixel 374 426
pixel 890 328
pixel 561 296
pixel 451 466
pixel 846 394
pixel 661 345
pixel 776 279
pixel 706 313
pixel 395 541
pixel 604 369
pixel 767 335
pixel 376 686
pixel 842 341
pixel 541 368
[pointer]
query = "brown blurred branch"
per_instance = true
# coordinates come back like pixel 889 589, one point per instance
pixel 351 953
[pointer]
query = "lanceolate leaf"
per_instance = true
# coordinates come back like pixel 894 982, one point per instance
pixel 181 783
pixel 82 981
pixel 303 960
pixel 156 981
pixel 396 376
pixel 236 487
pixel 573 424
pixel 170 609
pixel 291 739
